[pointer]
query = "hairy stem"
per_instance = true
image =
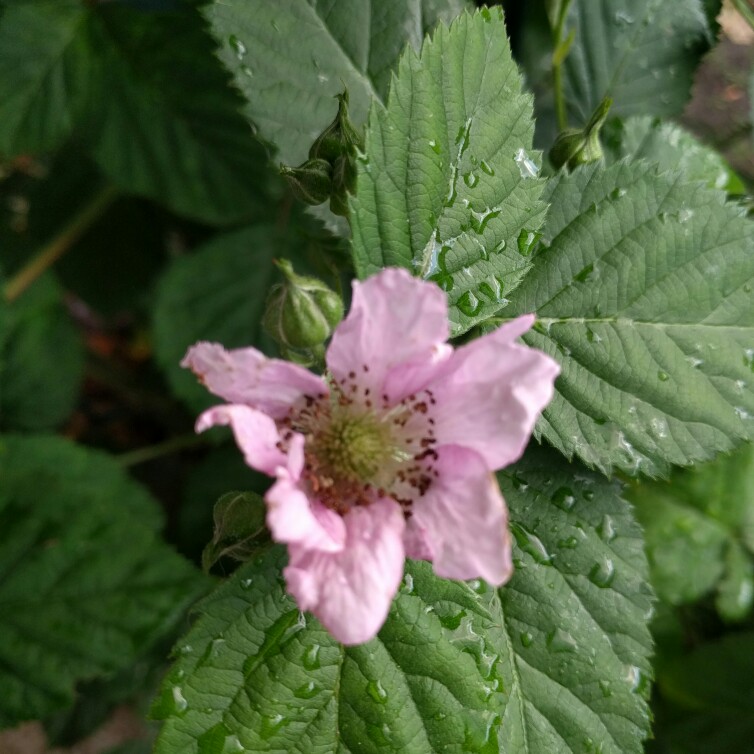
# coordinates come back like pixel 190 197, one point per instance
pixel 54 249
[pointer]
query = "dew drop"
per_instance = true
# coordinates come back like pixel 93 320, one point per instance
pixel 605 689
pixel 569 543
pixel 685 215
pixel 623 19
pixel 531 544
pixel 376 690
pixel 606 529
pixel 310 659
pixel 469 304
pixel 408 583
pixel 486 168
pixel 479 220
pixel 463 137
pixel 527 639
pixel 272 725
pixel 663 376
pixel 237 46
pixel 307 691
pixel 564 498
pixel 561 641
pixel 749 358
pixel 180 705
pixel 602 573
pixel 526 241
pixel 470 179
pixel 436 148
pixel 526 166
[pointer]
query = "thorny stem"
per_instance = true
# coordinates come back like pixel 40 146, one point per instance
pixel 54 249
pixel 166 448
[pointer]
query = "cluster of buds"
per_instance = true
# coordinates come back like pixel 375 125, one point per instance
pixel 330 171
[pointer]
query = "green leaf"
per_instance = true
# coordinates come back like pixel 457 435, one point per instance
pixel 698 526
pixel 41 359
pixel 291 57
pixel 643 291
pixel 119 77
pixel 642 53
pixel 671 147
pixel 239 528
pixel 221 469
pixel 714 686
pixel 554 662
pixel 447 188
pixel 218 294
pixel 86 585
pixel 46 73
pixel 173 130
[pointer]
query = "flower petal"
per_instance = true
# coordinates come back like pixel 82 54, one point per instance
pixel 491 393
pixel 257 437
pixel 245 375
pixel 295 519
pixel 351 591
pixel 394 319
pixel 462 520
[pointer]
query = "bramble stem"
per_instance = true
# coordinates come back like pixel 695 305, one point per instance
pixel 54 249
pixel 160 449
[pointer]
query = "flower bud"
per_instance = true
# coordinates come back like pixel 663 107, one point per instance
pixel 301 313
pixel 581 146
pixel 310 182
pixel 340 138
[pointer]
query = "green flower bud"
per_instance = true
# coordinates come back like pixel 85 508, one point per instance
pixel 310 182
pixel 581 146
pixel 340 138
pixel 301 314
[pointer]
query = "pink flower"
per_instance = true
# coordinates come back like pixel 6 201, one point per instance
pixel 390 454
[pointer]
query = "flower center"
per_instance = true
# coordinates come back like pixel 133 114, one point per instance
pixel 352 447
pixel 356 451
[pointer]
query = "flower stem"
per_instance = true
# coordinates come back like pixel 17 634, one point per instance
pixel 160 449
pixel 54 249
pixel 560 51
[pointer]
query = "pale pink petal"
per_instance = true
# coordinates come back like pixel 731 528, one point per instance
pixel 394 319
pixel 491 393
pixel 462 520
pixel 351 591
pixel 295 519
pixel 256 435
pixel 245 375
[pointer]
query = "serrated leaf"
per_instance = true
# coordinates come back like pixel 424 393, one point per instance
pixel 41 359
pixel 192 152
pixel 697 526
pixel 45 74
pixel 643 292
pixel 556 662
pixel 447 188
pixel 218 293
pixel 280 52
pixel 642 53
pixel 671 148
pixel 119 77
pixel 86 585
